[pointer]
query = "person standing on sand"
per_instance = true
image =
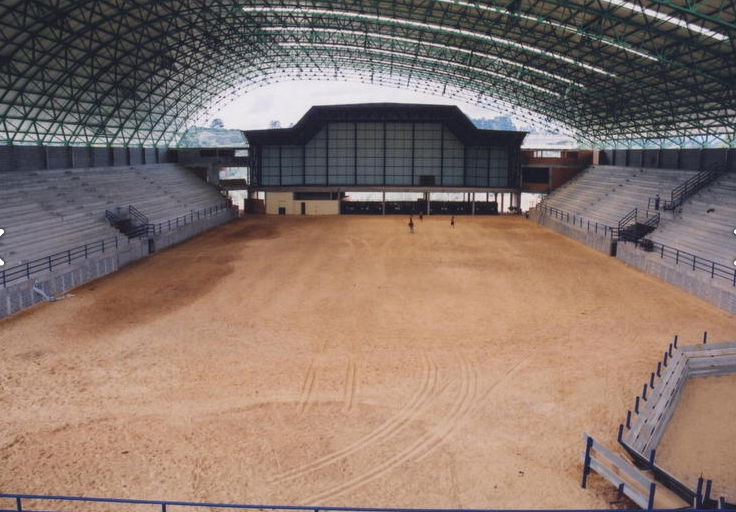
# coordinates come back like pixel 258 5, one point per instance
pixel 411 224
pixel 421 216
pixel 452 221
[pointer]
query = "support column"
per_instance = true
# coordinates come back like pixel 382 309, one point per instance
pixel 213 175
pixel 472 205
pixel 501 210
pixel 383 204
pixel 426 197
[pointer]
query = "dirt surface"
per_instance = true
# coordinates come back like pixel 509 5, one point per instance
pixel 339 361
pixel 699 439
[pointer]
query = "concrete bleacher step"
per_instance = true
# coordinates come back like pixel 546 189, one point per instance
pixel 50 211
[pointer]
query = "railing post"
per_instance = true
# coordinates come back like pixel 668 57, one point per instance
pixel 677 256
pixel 50 264
pixel 85 251
pixel 163 507
pixel 586 462
pixel 18 505
pixel 103 247
pixel 28 270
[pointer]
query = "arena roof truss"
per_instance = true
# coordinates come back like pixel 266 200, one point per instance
pixel 136 72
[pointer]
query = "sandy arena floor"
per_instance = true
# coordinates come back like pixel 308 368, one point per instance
pixel 699 439
pixel 339 361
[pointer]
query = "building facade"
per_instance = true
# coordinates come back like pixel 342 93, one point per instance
pixel 385 146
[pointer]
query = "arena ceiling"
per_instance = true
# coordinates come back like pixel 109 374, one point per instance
pixel 138 72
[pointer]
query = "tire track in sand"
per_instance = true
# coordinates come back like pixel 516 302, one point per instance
pixel 424 444
pixel 307 388
pixel 350 385
pixel 387 429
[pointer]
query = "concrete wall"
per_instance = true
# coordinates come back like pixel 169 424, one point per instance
pixel 275 200
pixel 718 292
pixel 19 296
pixel 597 241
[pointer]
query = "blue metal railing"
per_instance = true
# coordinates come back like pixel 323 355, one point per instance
pixel 184 220
pixel 626 219
pixel 26 270
pixel 136 214
pixel 685 190
pixel 48 263
pixel 578 221
pixel 165 505
pixel 691 261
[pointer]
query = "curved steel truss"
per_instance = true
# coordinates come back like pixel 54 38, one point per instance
pixel 137 72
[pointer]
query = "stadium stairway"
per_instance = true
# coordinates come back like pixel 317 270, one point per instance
pixel 51 211
pixel 605 193
pixel 704 224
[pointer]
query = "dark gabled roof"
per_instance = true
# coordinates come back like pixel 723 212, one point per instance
pixel 449 115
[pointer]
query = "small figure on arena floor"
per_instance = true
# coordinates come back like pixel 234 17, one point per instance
pixel 421 215
pixel 452 221
pixel 411 224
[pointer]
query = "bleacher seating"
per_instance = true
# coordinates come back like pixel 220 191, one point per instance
pixel 46 212
pixel 606 193
pixel 704 224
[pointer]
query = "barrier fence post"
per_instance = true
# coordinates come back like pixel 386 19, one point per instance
pixel 49 263
pixel 18 505
pixel 699 493
pixel 586 463
pixel 708 486
pixel 652 490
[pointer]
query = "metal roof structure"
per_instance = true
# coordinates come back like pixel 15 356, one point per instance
pixel 138 72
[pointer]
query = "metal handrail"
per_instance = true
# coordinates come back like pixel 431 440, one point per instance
pixel 137 214
pixel 694 262
pixel 66 257
pixel 626 219
pixel 48 263
pixel 183 220
pixel 163 505
pixel 579 221
pixel 685 190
